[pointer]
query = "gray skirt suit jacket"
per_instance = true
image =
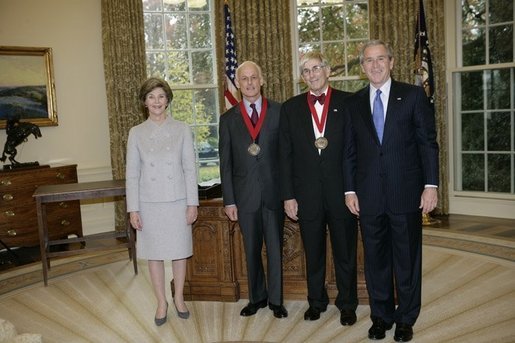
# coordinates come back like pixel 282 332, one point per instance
pixel 161 181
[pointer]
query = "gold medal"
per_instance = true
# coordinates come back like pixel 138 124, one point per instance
pixel 321 143
pixel 254 149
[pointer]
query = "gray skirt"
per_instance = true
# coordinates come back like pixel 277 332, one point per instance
pixel 165 234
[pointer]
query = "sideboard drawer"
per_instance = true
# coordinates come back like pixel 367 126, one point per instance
pixel 18 217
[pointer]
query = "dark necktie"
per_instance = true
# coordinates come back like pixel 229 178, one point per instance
pixel 254 116
pixel 320 98
pixel 378 115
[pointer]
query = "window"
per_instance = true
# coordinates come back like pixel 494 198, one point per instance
pixel 179 43
pixel 484 104
pixel 336 28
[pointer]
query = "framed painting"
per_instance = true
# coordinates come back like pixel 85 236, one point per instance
pixel 27 89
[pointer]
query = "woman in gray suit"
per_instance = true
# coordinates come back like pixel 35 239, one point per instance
pixel 162 196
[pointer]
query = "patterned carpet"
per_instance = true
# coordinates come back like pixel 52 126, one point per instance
pixel 468 296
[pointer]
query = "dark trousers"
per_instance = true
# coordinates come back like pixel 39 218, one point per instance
pixel 263 225
pixel 393 249
pixel 343 236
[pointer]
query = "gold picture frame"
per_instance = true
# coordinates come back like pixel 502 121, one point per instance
pixel 27 87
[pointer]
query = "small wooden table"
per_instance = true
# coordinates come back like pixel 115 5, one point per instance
pixel 78 191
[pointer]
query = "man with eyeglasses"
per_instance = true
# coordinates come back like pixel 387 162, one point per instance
pixel 311 165
pixel 391 175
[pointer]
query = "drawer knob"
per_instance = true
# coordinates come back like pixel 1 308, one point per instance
pixel 65 222
pixel 11 232
pixel 5 182
pixel 63 204
pixel 9 213
pixel 60 176
pixel 7 197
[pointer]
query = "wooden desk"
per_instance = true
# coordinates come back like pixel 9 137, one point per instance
pixel 78 191
pixel 217 270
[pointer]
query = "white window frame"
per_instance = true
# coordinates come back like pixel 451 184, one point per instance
pixel 460 202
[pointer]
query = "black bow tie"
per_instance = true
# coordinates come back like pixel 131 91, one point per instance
pixel 320 98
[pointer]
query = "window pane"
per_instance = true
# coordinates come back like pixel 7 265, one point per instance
pixel 153 31
pixel 206 145
pixel 308 24
pixel 206 106
pixel 353 66
pixel 499 173
pixel 156 64
pixel 473 171
pixel 357 21
pixel 198 5
pixel 174 5
pixel 308 47
pixel 473 13
pixel 474 47
pixel 500 11
pixel 182 105
pixel 498 88
pixel 472 132
pixel 306 2
pixel 176 31
pixel 200 31
pixel 501 44
pixel 335 54
pixel 332 23
pixel 178 68
pixel 498 134
pixel 349 85
pixel 472 91
pixel 202 64
pixel 152 5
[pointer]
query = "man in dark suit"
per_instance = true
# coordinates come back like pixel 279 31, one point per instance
pixel 391 166
pixel 248 148
pixel 311 151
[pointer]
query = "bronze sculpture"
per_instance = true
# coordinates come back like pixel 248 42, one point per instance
pixel 17 133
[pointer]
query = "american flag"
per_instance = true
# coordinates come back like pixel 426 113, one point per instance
pixel 423 64
pixel 231 63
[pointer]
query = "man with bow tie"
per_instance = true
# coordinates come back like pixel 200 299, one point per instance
pixel 311 169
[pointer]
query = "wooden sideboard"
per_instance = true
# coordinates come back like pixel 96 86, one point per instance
pixel 18 218
pixel 217 270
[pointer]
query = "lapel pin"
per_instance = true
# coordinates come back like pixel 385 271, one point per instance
pixel 399 98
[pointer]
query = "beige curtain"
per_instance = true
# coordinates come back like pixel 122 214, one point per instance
pixel 263 35
pixel 394 22
pixel 125 69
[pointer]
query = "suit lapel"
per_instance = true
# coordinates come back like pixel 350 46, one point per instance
pixel 331 123
pixel 307 123
pixel 364 99
pixel 240 123
pixel 394 105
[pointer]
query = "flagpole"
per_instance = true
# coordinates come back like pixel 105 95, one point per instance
pixel 423 60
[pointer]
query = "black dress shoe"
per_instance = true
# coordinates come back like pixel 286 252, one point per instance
pixel 312 313
pixel 252 308
pixel 279 311
pixel 378 329
pixel 403 332
pixel 347 317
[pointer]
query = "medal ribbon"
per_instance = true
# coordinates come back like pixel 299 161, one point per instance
pixel 254 130
pixel 320 123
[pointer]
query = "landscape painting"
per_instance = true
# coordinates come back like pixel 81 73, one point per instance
pixel 27 86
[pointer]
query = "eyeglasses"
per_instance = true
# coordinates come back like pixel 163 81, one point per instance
pixel 315 70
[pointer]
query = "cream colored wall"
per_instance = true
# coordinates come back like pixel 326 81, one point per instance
pixel 72 28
